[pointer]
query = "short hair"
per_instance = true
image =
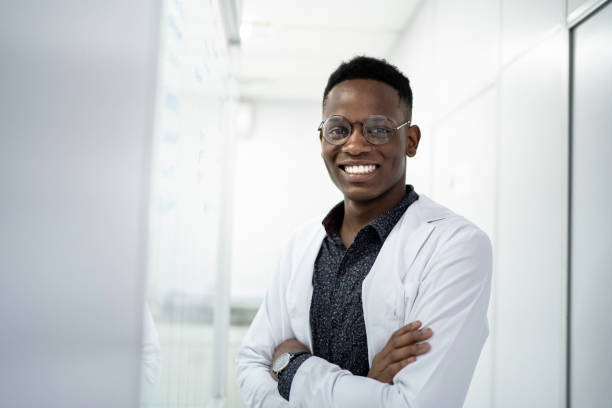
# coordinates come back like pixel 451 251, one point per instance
pixel 363 67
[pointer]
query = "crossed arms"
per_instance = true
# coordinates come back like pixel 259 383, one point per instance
pixel 453 300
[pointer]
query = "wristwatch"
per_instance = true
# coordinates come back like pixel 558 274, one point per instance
pixel 283 361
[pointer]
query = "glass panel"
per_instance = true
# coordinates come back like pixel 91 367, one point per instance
pixel 191 137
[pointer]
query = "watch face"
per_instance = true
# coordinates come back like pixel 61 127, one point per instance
pixel 281 362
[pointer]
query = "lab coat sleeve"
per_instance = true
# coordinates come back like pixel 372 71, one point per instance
pixel 269 328
pixel 453 300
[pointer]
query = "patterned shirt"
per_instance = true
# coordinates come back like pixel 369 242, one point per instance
pixel 336 312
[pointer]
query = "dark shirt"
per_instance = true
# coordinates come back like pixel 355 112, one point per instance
pixel 336 312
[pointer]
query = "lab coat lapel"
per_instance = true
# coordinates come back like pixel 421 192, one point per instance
pixel 383 290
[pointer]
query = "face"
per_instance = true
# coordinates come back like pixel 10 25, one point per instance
pixel 356 99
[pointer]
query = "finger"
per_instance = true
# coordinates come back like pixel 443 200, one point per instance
pixel 403 353
pixel 409 327
pixel 411 337
pixel 392 343
pixel 394 340
pixel 406 336
pixel 393 369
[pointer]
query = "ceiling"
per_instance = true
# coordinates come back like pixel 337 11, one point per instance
pixel 289 47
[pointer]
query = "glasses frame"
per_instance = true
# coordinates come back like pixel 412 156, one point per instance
pixel 352 128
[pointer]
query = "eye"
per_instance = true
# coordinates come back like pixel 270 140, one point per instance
pixel 381 129
pixel 338 131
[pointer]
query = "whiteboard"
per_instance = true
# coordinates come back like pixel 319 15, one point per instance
pixel 190 176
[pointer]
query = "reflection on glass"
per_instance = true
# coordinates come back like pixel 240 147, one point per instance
pixel 193 116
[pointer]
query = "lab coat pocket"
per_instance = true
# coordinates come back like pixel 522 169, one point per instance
pixel 411 291
pixel 383 318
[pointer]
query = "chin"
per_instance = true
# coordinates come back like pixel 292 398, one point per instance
pixel 361 194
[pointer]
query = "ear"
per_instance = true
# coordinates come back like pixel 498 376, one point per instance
pixel 413 137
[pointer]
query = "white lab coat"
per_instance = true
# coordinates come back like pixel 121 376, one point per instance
pixel 435 266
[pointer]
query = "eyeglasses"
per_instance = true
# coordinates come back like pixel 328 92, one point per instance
pixel 377 129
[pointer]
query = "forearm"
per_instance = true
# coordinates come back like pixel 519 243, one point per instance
pixel 269 328
pixel 438 379
pixel 323 384
pixel 285 378
pixel 257 387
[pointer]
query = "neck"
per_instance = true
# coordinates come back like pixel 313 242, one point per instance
pixel 358 214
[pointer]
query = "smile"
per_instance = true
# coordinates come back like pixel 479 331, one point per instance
pixel 359 169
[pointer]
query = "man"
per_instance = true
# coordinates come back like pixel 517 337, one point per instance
pixel 334 328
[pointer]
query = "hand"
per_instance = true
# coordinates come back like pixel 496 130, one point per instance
pixel 401 350
pixel 286 347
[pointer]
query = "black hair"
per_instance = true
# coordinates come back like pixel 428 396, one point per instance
pixel 363 67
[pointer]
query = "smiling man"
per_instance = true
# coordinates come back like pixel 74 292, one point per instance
pixel 355 297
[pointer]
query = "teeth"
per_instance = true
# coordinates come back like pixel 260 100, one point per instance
pixel 360 169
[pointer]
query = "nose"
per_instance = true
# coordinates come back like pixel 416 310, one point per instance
pixel 357 143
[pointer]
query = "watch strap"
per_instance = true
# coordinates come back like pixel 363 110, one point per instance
pixel 292 356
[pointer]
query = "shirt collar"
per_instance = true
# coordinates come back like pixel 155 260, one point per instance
pixel 383 224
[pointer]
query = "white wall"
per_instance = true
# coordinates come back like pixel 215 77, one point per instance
pixel 281 182
pixel 491 91
pixel 591 230
pixel 532 239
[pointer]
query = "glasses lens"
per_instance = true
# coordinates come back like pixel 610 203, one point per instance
pixel 378 129
pixel 336 129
